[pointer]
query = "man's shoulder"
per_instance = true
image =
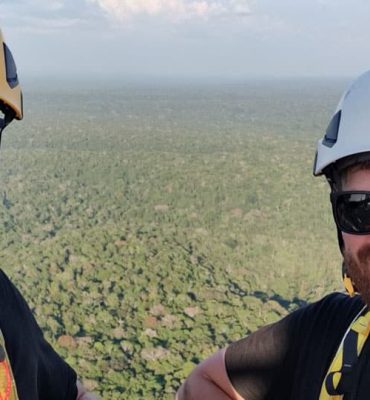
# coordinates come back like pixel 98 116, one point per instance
pixel 9 294
pixel 335 310
pixel 337 300
pixel 5 280
pixel 28 350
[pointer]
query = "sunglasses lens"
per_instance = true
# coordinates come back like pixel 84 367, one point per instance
pixel 353 212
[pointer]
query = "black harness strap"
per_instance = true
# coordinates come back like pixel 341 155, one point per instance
pixel 350 357
pixel 339 379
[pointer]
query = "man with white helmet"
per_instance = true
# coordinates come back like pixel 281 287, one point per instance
pixel 29 368
pixel 320 351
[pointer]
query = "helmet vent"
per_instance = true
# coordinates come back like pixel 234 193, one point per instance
pixel 331 134
pixel 11 69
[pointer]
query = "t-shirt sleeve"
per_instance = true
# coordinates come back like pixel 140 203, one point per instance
pixel 278 357
pixel 39 372
pixel 252 362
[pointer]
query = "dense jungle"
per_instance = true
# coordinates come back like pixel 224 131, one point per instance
pixel 149 224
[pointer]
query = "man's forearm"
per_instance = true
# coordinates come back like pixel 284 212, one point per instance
pixel 209 380
pixel 201 389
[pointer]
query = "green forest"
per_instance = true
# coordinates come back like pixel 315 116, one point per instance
pixel 149 225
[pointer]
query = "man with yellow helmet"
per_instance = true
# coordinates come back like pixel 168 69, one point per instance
pixel 321 351
pixel 29 368
pixel 11 101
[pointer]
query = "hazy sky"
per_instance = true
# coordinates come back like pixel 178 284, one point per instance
pixel 192 38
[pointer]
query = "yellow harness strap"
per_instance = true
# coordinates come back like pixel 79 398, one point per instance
pixel 8 389
pixel 334 385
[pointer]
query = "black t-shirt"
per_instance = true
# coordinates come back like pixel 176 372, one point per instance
pixel 39 372
pixel 289 360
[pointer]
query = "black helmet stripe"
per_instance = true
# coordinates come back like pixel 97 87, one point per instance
pixel 11 69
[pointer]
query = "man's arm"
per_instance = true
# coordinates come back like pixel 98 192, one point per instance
pixel 209 380
pixel 244 370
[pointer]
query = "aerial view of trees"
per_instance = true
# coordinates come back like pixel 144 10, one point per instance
pixel 149 225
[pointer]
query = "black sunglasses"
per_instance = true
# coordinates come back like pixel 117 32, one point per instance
pixel 351 211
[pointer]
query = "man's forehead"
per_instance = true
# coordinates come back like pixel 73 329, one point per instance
pixel 356 177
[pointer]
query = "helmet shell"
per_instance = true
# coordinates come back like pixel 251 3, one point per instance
pixel 348 133
pixel 10 91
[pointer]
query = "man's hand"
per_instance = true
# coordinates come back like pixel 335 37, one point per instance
pixel 209 381
pixel 83 394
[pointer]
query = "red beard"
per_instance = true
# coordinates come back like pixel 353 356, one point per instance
pixel 359 271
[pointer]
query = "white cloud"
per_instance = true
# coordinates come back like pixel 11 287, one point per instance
pixel 43 16
pixel 173 9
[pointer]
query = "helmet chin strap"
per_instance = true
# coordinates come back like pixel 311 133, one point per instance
pixel 335 181
pixel 346 278
pixel 347 281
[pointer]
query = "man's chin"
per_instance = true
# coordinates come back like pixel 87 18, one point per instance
pixel 359 271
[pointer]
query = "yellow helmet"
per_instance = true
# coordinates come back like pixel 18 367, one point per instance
pixel 11 102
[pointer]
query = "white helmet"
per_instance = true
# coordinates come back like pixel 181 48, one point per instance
pixel 348 133
pixel 346 141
